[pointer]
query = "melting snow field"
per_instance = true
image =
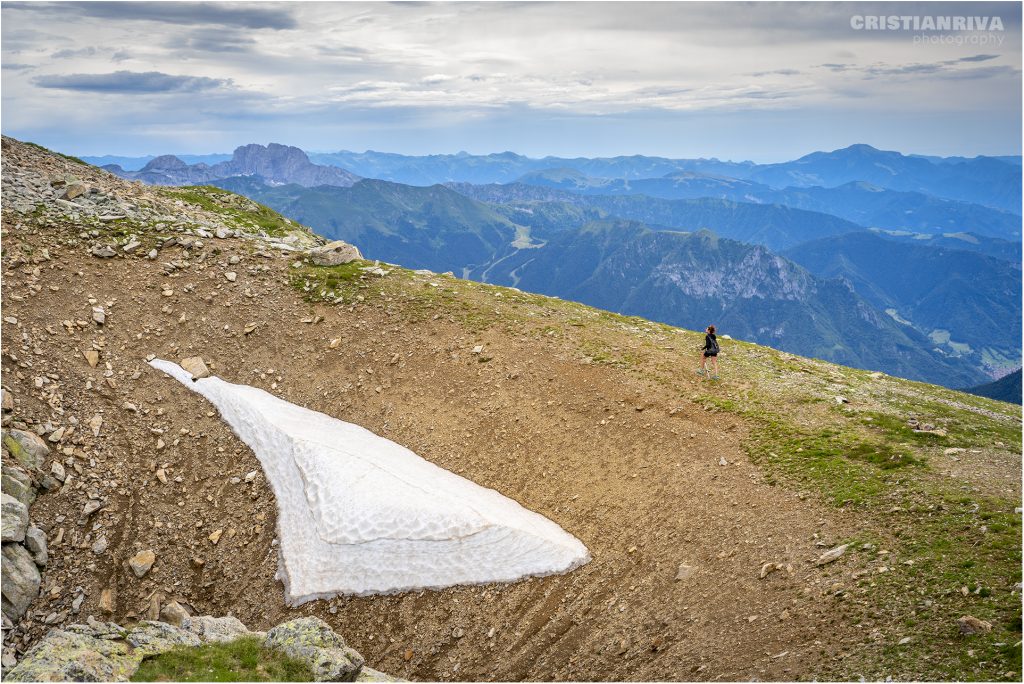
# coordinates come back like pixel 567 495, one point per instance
pixel 360 514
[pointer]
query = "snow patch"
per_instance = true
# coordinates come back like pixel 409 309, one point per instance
pixel 360 514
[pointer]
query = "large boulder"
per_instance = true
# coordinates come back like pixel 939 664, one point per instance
pixel 312 641
pixel 17 483
pixel 79 657
pixel 13 519
pixel 150 637
pixel 20 582
pixel 27 448
pixel 334 254
pixel 210 628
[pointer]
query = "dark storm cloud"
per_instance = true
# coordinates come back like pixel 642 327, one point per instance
pixel 262 16
pixel 131 82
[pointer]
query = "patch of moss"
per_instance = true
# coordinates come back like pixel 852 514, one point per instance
pixel 242 660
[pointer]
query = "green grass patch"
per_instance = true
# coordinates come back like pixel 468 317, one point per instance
pixel 241 660
pixel 241 211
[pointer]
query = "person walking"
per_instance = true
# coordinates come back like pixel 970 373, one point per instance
pixel 709 351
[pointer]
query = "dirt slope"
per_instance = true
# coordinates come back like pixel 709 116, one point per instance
pixel 595 421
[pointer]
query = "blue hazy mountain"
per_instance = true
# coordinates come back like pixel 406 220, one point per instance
pixel 859 202
pixel 136 163
pixel 559 248
pixel 967 303
pixel 1006 388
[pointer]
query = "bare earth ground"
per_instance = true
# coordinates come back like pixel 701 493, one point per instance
pixel 621 445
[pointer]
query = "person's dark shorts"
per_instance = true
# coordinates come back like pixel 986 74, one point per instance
pixel 708 355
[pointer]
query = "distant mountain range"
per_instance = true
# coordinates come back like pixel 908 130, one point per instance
pixel 273 164
pixel 581 252
pixel 989 181
pixel 967 303
pixel 901 263
pixel 863 203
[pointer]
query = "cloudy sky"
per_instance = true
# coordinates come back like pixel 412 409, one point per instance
pixel 761 81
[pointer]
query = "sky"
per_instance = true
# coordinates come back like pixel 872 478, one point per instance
pixel 759 81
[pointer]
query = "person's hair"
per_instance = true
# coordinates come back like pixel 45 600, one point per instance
pixel 711 329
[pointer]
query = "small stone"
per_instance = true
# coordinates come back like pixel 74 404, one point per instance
pixel 90 507
pixel 722 461
pixel 196 366
pixel 56 436
pixel 842 400
pixel 335 343
pixel 971 625
pixel 141 562
pixel 174 613
pixel 215 536
pixel 250 476
pixel 107 603
pixel 231 276
pixel 458 633
pixel 99 315
pixel 250 328
pixel 832 555
pixel 685 572
pixel 161 475
pixel 76 605
pixel 95 423
pixel 100 547
pixel 103 251
pixel 57 470
pixel 6 401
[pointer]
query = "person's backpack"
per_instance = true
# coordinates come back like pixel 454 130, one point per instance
pixel 713 347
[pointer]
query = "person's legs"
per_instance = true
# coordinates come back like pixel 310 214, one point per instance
pixel 703 364
pixel 714 365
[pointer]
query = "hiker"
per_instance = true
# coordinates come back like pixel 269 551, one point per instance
pixel 709 351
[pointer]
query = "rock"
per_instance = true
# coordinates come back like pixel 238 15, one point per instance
pixel 231 276
pixel 150 637
pixel 368 674
pixel 20 582
pixel 842 400
pixel 312 641
pixel 76 605
pixel 57 470
pixel 174 613
pixel 75 656
pixel 685 572
pixel 27 448
pixel 832 555
pixel 769 568
pixel 334 254
pixel 196 366
pixel 35 542
pixel 103 251
pixel 73 190
pixel 56 436
pixel 153 254
pixel 141 562
pixel 215 536
pixel 222 233
pixel 722 461
pixel 95 423
pixel 17 483
pixel 209 628
pixel 90 507
pixel 100 547
pixel 6 401
pixel 13 519
pixel 99 315
pixel 107 602
pixel 971 625
pixel 92 357
pixel 131 246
